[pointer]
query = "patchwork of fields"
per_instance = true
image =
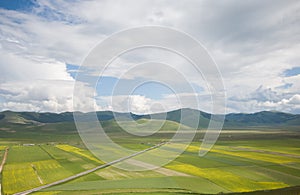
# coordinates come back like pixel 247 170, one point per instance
pixel 231 166
pixel 31 166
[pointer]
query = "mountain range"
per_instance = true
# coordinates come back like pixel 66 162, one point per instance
pixel 233 120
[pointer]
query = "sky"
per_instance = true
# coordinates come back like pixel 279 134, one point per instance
pixel 255 45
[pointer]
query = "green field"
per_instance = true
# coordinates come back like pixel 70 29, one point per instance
pixel 43 164
pixel 231 166
pixel 254 160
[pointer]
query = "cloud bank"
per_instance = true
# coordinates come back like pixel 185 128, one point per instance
pixel 255 44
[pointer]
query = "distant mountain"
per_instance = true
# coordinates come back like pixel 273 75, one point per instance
pixel 234 120
pixel 264 118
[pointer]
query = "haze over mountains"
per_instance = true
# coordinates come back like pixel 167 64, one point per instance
pixel 234 120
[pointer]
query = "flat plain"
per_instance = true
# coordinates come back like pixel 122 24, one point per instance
pixel 233 165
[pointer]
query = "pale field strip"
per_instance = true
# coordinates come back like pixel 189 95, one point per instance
pixel 88 171
pixel 35 171
pixel 252 149
pixel 161 170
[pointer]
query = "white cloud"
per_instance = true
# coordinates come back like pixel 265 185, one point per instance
pixel 38 95
pixel 16 67
pixel 252 42
pixel 140 104
pixel 295 100
pixel 35 83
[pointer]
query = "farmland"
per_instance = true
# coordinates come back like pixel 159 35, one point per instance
pixel 231 166
pixel 243 160
pixel 42 164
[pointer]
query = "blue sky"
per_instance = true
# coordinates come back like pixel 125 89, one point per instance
pixel 292 72
pixel 153 90
pixel 17 4
pixel 150 89
pixel 255 45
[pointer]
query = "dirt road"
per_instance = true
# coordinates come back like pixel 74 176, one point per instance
pixel 4 159
pixel 88 171
pixel 2 164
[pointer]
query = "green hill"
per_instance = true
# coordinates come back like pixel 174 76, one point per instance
pixel 184 116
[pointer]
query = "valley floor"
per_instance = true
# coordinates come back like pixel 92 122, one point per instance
pixel 231 166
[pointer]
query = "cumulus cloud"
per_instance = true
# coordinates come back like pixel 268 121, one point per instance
pixel 140 104
pixel 295 99
pixel 35 83
pixel 126 103
pixel 38 96
pixel 254 44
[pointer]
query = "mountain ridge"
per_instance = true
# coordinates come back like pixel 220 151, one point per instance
pixel 262 118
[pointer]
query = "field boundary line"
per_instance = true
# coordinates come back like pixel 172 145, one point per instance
pixel 37 174
pixel 4 159
pixel 89 171
pixel 2 164
pixel 267 152
pixel 50 155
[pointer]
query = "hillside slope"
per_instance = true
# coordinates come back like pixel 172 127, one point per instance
pixel 184 116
